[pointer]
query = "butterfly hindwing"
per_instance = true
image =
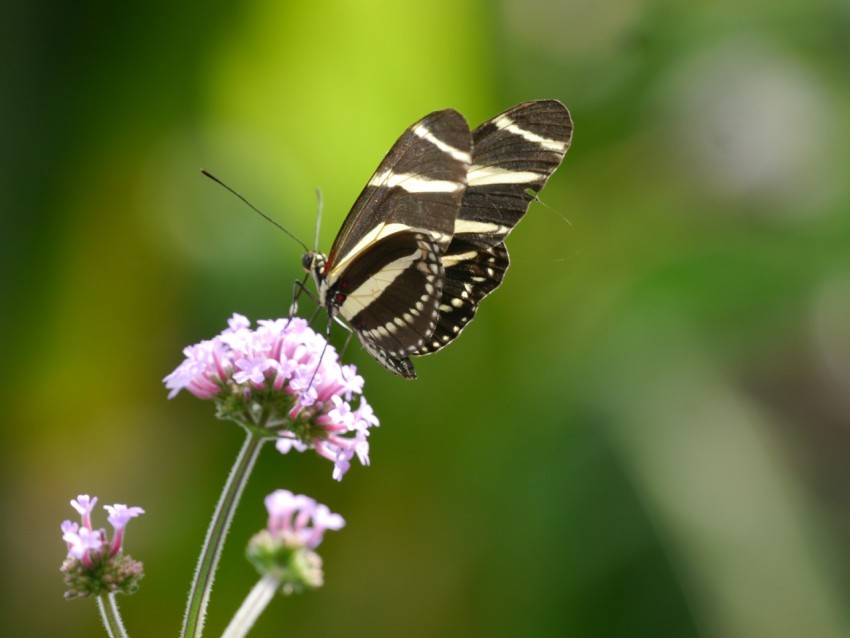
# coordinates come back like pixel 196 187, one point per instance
pixel 470 276
pixel 397 287
pixel 514 154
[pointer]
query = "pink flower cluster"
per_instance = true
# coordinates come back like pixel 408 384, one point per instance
pixel 299 520
pixel 285 377
pixel 89 545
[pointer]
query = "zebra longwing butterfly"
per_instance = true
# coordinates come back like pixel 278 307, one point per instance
pixel 424 242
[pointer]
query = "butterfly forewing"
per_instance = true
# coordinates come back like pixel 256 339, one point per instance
pixel 418 185
pixel 514 154
pixel 384 274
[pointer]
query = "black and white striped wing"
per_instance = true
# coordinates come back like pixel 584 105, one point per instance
pixel 384 273
pixel 513 156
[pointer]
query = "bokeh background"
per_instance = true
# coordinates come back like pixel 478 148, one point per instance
pixel 645 431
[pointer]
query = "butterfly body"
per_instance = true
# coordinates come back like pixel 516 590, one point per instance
pixel 423 243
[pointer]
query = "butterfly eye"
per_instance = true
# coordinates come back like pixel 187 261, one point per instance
pixel 307 261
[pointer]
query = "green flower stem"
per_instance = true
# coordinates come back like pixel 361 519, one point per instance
pixel 199 594
pixel 111 616
pixel 252 607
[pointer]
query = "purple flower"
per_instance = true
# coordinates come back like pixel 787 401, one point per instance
pixel 299 521
pixel 286 548
pixel 285 378
pixel 86 543
pixel 94 564
pixel 119 516
pixel 84 504
pixel 83 543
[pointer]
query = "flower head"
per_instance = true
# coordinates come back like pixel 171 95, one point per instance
pixel 95 564
pixel 299 520
pixel 296 527
pixel 285 379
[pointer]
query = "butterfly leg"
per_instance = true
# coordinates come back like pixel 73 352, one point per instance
pixel 324 348
pixel 299 286
pixel 347 339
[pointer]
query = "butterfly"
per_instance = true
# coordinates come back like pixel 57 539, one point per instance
pixel 423 244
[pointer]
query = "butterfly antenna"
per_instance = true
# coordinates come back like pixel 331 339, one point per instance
pixel 253 208
pixel 536 198
pixel 320 203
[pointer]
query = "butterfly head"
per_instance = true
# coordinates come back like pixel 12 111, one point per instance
pixel 315 263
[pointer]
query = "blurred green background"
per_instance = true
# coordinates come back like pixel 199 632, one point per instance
pixel 646 431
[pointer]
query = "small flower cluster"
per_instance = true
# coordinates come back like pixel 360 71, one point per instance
pixel 95 564
pixel 281 377
pixel 296 526
pixel 299 520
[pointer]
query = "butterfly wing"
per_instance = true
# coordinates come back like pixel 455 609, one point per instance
pixel 384 273
pixel 514 154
